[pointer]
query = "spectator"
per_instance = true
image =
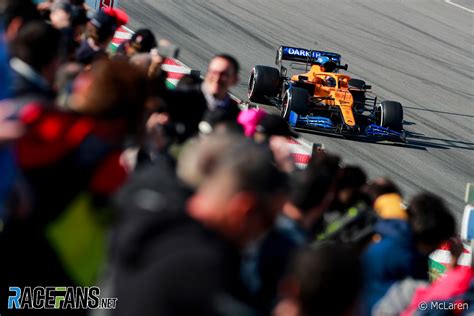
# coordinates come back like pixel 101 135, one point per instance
pixel 142 41
pixel 407 295
pixel 388 204
pixel 83 144
pixel 290 231
pixel 256 186
pixel 199 157
pixel 387 199
pixel 71 21
pixel 272 125
pixel 100 31
pixel 33 67
pixel 232 209
pixel 349 218
pixel 16 14
pixel 60 15
pixel 307 202
pixel 211 102
pixel 349 184
pixel 454 287
pixel 329 162
pixel 395 258
pixel 91 93
pixel 323 280
pixel 65 77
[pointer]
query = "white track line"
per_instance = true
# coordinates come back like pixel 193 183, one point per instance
pixel 458 5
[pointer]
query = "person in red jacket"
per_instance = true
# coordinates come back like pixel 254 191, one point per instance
pixel 65 155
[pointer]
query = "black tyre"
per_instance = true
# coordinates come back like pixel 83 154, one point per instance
pixel 296 100
pixel 356 83
pixel 390 114
pixel 263 82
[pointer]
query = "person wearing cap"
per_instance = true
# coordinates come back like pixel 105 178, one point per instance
pixel 142 41
pixel 100 31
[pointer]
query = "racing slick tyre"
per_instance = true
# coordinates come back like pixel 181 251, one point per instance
pixel 296 100
pixel 389 114
pixel 263 82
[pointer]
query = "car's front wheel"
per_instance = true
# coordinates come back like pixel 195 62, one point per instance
pixel 296 100
pixel 263 83
pixel 389 114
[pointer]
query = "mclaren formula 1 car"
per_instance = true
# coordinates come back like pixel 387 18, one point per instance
pixel 323 99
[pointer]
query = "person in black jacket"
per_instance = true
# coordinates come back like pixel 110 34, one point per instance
pixel 33 68
pixel 209 102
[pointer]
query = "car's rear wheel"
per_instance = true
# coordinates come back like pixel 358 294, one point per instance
pixel 389 114
pixel 263 83
pixel 296 100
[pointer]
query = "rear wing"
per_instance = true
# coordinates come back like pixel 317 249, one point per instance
pixel 304 55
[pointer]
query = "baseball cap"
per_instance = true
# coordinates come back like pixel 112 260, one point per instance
pixel 143 41
pixel 274 125
pixel 108 20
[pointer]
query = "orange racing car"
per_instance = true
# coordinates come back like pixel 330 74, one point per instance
pixel 323 99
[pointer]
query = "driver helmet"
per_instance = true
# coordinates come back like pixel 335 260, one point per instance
pixel 327 63
pixel 330 81
pixel 322 60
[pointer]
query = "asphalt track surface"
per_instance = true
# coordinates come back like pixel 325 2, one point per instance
pixel 417 52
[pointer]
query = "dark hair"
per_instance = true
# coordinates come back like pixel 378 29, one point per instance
pixel 31 41
pixel 329 278
pixel 430 219
pixel 78 17
pixel 77 2
pixel 143 40
pixel 24 9
pixel 309 188
pixel 323 160
pixel 129 85
pixel 380 186
pixel 231 59
pixel 351 177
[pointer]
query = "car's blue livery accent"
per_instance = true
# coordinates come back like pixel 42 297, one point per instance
pixel 302 54
pixel 293 119
pixel 314 121
pixel 379 131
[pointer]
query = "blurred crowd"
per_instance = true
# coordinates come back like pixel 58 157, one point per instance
pixel 176 201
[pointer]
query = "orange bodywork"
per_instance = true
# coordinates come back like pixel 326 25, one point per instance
pixel 337 96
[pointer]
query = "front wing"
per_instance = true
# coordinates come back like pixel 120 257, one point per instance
pixel 324 125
